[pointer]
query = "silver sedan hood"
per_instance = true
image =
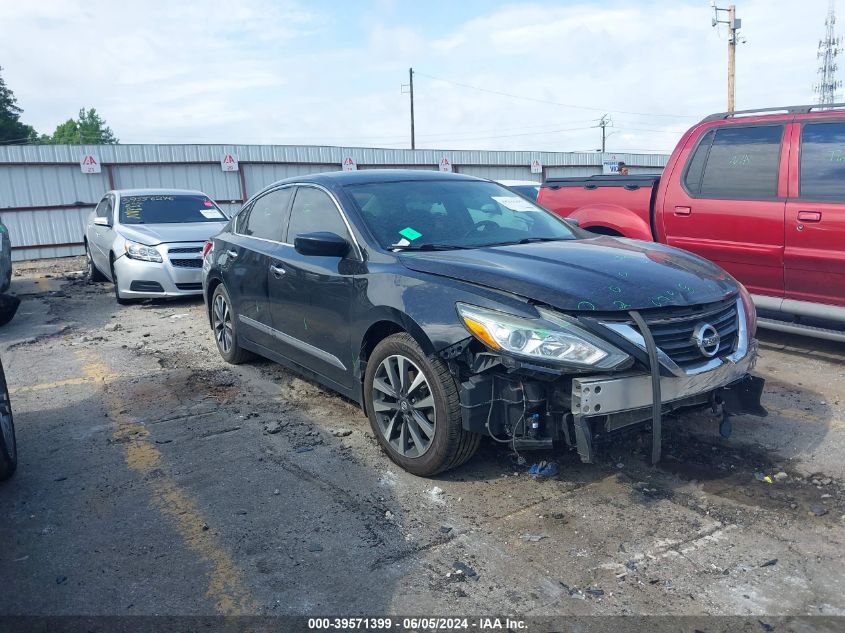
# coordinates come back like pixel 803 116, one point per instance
pixel 152 234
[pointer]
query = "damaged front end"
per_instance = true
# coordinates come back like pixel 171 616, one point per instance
pixel 630 370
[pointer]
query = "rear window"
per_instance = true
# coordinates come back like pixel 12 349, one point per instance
pixel 823 161
pixel 168 209
pixel 738 163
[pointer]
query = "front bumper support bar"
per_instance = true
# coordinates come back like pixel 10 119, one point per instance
pixel 596 396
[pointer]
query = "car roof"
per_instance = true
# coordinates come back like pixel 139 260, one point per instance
pixel 366 176
pixel 161 191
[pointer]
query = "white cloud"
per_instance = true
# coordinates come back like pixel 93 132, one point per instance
pixel 269 71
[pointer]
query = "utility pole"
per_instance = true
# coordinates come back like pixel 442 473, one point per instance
pixel 829 50
pixel 603 123
pixel 410 87
pixel 734 24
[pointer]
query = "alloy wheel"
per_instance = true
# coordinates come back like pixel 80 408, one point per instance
pixel 222 318
pixel 404 406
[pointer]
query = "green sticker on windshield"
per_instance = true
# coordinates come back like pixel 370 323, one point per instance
pixel 410 234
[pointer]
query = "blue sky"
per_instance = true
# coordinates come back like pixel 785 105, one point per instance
pixel 326 72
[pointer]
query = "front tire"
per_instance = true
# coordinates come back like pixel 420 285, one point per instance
pixel 120 300
pixel 414 409
pixel 225 327
pixel 8 444
pixel 92 273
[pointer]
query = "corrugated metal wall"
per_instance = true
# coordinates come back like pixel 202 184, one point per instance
pixel 45 198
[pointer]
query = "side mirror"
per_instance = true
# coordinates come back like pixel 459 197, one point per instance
pixel 321 243
pixel 101 221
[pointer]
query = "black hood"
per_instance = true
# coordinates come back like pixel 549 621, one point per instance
pixel 603 273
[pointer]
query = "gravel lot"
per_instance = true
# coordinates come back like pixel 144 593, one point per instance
pixel 156 479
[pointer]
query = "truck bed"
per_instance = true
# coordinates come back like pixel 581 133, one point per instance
pixel 604 202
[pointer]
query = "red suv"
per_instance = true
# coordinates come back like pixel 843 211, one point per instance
pixel 761 193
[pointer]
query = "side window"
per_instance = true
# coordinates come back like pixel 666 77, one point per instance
pixel 313 211
pixel 823 161
pixel 102 209
pixel 743 163
pixel 265 218
pixel 241 219
pixel 695 166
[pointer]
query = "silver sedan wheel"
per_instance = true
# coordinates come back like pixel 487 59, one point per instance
pixel 222 318
pixel 404 406
pixel 6 423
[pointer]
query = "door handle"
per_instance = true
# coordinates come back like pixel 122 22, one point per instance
pixel 683 210
pixel 809 216
pixel 232 253
pixel 277 271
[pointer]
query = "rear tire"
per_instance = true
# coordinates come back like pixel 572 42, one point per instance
pixel 224 325
pixel 92 273
pixel 8 444
pixel 414 409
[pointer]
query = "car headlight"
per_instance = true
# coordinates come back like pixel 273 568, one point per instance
pixel 142 252
pixel 549 338
pixel 750 311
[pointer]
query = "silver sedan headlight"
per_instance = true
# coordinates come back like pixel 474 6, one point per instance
pixel 134 250
pixel 550 338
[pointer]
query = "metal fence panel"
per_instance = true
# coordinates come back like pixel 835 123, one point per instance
pixel 46 229
pixel 216 183
pixel 259 176
pixel 499 173
pixel 41 186
pixel 33 177
pixel 26 254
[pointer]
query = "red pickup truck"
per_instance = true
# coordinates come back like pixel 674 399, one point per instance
pixel 761 193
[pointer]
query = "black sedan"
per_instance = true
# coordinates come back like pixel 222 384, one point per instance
pixel 451 308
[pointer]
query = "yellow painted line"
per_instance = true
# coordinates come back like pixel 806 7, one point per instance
pixel 51 385
pixel 47 284
pixel 225 581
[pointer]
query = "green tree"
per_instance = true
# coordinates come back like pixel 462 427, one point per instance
pixel 11 129
pixel 89 129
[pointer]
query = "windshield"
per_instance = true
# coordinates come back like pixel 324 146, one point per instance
pixel 168 209
pixel 452 214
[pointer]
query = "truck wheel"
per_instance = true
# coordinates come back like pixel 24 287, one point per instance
pixel 224 324
pixel 414 410
pixel 8 445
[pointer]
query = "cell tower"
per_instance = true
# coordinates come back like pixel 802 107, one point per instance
pixel 829 49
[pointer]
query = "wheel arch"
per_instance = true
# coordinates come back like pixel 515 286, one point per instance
pixel 382 325
pixel 210 286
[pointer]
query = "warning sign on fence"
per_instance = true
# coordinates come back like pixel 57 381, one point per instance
pixel 229 162
pixel 90 164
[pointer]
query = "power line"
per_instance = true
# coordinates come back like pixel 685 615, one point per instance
pixel 555 103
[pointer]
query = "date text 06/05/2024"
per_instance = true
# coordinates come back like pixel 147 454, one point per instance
pixel 416 623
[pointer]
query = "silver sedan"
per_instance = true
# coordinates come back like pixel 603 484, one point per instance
pixel 149 242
